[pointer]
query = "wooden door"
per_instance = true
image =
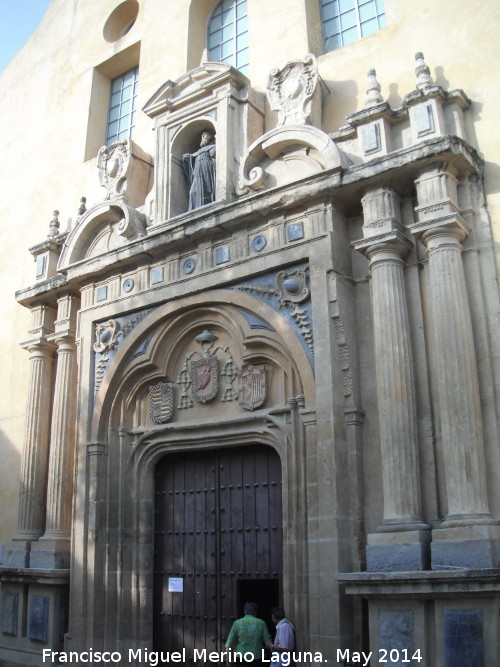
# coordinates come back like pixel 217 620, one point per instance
pixel 218 537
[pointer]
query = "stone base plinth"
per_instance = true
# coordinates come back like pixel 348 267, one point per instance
pixel 466 546
pixel 50 554
pixel 398 552
pixel 16 553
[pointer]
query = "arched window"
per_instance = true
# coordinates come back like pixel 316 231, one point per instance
pixel 345 21
pixel 228 34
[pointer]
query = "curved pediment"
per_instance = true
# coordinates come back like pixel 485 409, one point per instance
pixel 286 154
pixel 103 228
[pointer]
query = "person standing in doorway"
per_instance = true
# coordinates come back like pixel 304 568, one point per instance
pixel 249 634
pixel 284 641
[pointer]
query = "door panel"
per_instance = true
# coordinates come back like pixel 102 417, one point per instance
pixel 218 527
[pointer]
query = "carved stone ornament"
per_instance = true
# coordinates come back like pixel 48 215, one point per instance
pixel 124 170
pixel 205 378
pixel 292 91
pixel 161 402
pixel 252 387
pixel 107 335
pixel 112 162
pixel 292 287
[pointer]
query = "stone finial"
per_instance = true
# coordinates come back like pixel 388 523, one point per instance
pixel 82 208
pixel 423 73
pixel 293 92
pixel 54 226
pixel 373 95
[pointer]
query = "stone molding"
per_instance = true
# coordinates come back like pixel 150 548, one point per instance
pixel 308 147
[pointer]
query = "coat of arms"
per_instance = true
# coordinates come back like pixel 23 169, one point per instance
pixel 252 387
pixel 161 402
pixel 205 378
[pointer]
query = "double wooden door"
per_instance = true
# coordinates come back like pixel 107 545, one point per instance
pixel 218 543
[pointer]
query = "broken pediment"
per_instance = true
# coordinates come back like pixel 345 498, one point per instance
pixel 103 228
pixel 287 154
pixel 197 83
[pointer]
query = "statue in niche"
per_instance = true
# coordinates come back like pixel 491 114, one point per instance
pixel 199 168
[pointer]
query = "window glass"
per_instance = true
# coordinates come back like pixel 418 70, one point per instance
pixel 227 34
pixel 122 105
pixel 345 21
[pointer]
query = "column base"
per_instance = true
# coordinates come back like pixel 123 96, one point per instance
pixel 466 547
pixel 49 553
pixel 16 553
pixel 398 552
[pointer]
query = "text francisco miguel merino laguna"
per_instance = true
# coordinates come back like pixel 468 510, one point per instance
pixel 154 658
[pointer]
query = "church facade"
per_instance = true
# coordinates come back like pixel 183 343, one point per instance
pixel 259 335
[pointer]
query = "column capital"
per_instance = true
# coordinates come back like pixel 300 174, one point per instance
pixel 441 230
pixel 41 347
pixel 393 245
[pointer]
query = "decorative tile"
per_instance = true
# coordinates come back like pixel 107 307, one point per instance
pixel 371 138
pixel 38 618
pixel 128 284
pixel 463 635
pixel 101 293
pixel 10 605
pixel 222 254
pixel 396 634
pixel 259 242
pixel 189 265
pixel 157 275
pixel 295 231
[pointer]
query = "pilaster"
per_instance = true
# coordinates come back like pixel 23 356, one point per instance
pixel 466 535
pixel 401 541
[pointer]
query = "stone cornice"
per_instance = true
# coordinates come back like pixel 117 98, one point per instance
pixel 34 576
pixel 220 220
pixel 429 583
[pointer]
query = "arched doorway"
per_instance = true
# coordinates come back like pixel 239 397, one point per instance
pixel 218 543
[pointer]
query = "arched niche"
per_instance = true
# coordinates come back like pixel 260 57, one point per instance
pixel 213 93
pixel 185 140
pixel 167 342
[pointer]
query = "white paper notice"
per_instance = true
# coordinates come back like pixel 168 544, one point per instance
pixel 175 584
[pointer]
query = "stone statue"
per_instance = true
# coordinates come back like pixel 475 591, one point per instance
pixel 199 168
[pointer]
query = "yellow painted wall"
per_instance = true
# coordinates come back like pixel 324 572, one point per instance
pixel 51 93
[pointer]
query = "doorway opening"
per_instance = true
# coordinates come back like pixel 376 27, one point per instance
pixel 218 543
pixel 266 595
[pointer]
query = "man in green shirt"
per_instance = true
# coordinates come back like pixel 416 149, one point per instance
pixel 249 634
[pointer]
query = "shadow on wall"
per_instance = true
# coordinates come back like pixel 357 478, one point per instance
pixel 340 98
pixel 9 487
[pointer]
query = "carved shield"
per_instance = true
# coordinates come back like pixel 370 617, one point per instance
pixel 252 387
pixel 205 379
pixel 161 402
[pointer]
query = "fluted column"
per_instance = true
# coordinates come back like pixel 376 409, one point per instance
pixel 53 548
pixel 31 507
pixel 386 246
pixel 458 407
pixel 31 517
pixel 395 386
pixel 60 478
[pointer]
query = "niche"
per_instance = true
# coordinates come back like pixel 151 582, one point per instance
pixel 186 140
